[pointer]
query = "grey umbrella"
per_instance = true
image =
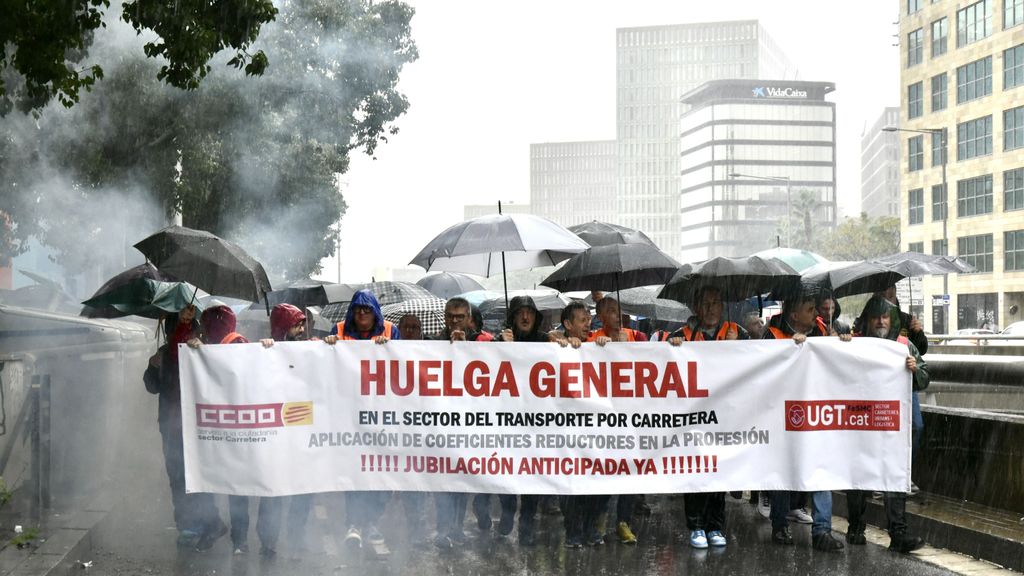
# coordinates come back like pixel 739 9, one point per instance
pixel 917 264
pixel 848 278
pixel 736 278
pixel 598 233
pixel 448 284
pixel 613 267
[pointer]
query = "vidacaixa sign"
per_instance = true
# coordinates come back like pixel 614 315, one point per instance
pixel 778 92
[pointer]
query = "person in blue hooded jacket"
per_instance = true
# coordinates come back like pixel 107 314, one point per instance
pixel 364 321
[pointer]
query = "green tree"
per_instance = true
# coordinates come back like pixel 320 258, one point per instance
pixel 44 44
pixel 862 238
pixel 254 160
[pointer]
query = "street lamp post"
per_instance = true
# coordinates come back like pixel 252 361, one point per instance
pixel 945 193
pixel 789 196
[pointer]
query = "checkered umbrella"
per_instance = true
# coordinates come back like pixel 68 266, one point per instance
pixel 430 311
pixel 386 292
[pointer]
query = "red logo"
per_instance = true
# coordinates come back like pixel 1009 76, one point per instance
pixel 812 415
pixel 254 415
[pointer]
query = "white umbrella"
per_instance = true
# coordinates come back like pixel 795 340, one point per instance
pixel 497 243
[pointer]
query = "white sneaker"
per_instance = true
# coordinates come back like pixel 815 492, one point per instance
pixel 914 489
pixel 764 504
pixel 353 539
pixel 800 516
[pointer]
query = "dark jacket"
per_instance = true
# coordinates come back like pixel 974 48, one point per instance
pixel 535 334
pixel 899 324
pixel 365 298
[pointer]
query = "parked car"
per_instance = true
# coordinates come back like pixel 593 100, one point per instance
pixel 970 332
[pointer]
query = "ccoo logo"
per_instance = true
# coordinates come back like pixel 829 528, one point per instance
pixel 254 415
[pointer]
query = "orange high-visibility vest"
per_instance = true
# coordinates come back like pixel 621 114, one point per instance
pixel 630 334
pixel 343 336
pixel 698 336
pixel 231 338
pixel 780 335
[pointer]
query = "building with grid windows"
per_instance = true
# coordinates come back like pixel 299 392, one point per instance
pixel 656 66
pixel 880 167
pixel 573 182
pixel 962 77
pixel 753 151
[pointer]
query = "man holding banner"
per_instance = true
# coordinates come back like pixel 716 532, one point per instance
pixel 364 321
pixel 798 321
pixel 875 320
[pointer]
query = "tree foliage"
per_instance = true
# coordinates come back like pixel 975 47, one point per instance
pixel 44 43
pixel 862 238
pixel 254 160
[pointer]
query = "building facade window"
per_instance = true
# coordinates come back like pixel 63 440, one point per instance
pixel 915 153
pixel 973 23
pixel 938 202
pixel 915 47
pixel 1013 67
pixel 1013 189
pixel 1013 128
pixel 974 138
pixel 940 33
pixel 940 247
pixel 938 150
pixel 939 100
pixel 915 100
pixel 974 196
pixel 1013 250
pixel 976 250
pixel 1013 13
pixel 913 6
pixel 915 206
pixel 974 80
pixel 916 247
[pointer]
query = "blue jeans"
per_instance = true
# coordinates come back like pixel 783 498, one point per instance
pixel 821 511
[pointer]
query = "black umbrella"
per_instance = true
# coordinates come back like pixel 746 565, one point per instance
pixel 917 264
pixel 736 278
pixel 848 278
pixel 207 261
pixel 143 271
pixel 613 267
pixel 549 304
pixel 448 284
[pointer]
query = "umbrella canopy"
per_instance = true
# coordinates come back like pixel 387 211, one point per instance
pixel 918 264
pixel 141 297
pixel 798 260
pixel 386 292
pixel 207 261
pixel 549 303
pixel 301 293
pixel 448 284
pixel 146 270
pixel 736 278
pixel 613 267
pixel 430 311
pixel 645 302
pixel 598 233
pixel 848 278
pixel 496 243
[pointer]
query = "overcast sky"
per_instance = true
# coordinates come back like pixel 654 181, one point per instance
pixel 494 77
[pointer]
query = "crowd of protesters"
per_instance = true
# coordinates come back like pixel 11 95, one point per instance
pixel 588 520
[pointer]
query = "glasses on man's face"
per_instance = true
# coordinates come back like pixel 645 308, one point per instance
pixel 455 317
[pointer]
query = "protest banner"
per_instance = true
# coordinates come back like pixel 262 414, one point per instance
pixel 541 419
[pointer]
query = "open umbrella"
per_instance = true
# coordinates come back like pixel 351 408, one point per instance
pixel 598 233
pixel 736 278
pixel 796 259
pixel 448 284
pixel 917 264
pixel 430 311
pixel 613 267
pixel 141 297
pixel 497 243
pixel 644 302
pixel 302 294
pixel 207 261
pixel 848 278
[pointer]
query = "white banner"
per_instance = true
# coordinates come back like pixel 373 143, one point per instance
pixel 541 419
